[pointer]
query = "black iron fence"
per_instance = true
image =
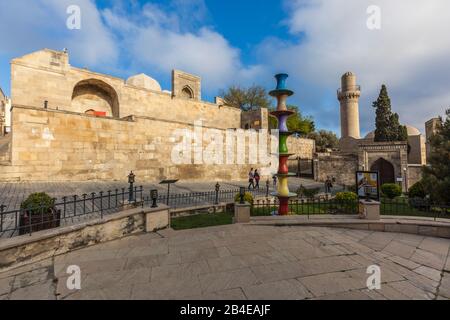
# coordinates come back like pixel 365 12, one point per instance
pixel 396 207
pixel 414 207
pixel 67 210
pixel 73 209
pixel 267 207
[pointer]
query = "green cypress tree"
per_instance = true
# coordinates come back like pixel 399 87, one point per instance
pixel 387 124
pixel 436 176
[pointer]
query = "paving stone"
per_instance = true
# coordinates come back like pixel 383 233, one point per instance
pixel 378 240
pixel 435 245
pixel 351 295
pixel 6 285
pixel 279 290
pixel 430 273
pixel 444 288
pixel 404 262
pixel 30 278
pixel 429 259
pixel 327 265
pixel 198 255
pixel 411 291
pixel 230 294
pixel 331 283
pixel 391 293
pixel 226 263
pixel 400 249
pixel 38 291
pixel 180 271
pixel 217 281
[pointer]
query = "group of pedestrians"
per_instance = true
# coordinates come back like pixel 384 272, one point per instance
pixel 253 179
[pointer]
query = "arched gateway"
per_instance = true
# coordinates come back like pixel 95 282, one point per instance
pixel 386 170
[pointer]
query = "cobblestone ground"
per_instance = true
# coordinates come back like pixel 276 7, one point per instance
pixel 244 262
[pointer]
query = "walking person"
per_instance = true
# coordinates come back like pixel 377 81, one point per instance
pixel 251 178
pixel 327 185
pixel 274 178
pixel 257 178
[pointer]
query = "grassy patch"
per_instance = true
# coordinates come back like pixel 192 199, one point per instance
pixel 201 221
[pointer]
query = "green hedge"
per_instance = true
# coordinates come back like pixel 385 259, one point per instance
pixel 391 190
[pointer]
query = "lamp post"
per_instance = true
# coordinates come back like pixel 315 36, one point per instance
pixel 241 195
pixel 405 176
pixel 154 197
pixel 131 179
pixel 267 188
pixel 217 193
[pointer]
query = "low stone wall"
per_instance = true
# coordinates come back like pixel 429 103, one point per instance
pixel 420 226
pixel 41 245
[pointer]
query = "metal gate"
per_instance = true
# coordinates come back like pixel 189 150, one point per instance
pixel 303 168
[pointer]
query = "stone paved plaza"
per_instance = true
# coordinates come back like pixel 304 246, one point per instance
pixel 244 262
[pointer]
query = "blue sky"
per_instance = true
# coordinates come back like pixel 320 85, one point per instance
pixel 246 42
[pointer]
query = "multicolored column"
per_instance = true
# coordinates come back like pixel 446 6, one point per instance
pixel 281 93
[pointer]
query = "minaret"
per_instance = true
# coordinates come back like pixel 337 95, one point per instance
pixel 348 97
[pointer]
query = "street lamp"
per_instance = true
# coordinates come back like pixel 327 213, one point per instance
pixel 241 195
pixel 131 180
pixel 154 197
pixel 217 193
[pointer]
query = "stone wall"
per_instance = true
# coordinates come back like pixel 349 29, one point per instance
pixel 341 167
pixel 55 145
pixel 46 75
pixel 414 174
pixel 302 147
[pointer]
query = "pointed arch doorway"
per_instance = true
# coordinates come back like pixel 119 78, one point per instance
pixel 386 170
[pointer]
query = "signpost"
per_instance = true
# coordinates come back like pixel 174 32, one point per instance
pixel 168 182
pixel 368 185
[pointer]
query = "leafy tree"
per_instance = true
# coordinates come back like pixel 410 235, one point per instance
pixel 295 123
pixel 436 176
pixel 246 99
pixel 387 124
pixel 324 140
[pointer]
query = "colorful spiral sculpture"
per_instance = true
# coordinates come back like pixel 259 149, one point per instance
pixel 281 93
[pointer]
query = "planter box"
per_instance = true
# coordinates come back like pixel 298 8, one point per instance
pixel 39 222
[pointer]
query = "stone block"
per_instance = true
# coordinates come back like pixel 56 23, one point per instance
pixel 241 213
pixel 369 210
pixel 157 218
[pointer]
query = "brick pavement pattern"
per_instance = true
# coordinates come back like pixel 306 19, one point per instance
pixel 244 262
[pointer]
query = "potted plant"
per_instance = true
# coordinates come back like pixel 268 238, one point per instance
pixel 38 213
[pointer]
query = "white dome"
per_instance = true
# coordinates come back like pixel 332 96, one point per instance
pixel 412 131
pixel 144 81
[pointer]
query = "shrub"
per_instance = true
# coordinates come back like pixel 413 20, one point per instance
pixel 346 196
pixel 417 190
pixel 248 197
pixel 391 190
pixel 38 202
pixel 308 193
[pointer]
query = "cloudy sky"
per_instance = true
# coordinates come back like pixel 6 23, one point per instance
pixel 245 42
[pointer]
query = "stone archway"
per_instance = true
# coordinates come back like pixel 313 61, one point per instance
pixel 95 95
pixel 386 170
pixel 187 93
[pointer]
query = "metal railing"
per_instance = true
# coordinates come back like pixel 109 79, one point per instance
pixel 306 207
pixel 66 211
pixel 414 207
pixel 70 210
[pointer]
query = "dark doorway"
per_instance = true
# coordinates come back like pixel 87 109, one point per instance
pixel 386 170
pixel 303 168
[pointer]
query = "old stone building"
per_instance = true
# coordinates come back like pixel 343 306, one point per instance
pixel 74 124
pixel 397 162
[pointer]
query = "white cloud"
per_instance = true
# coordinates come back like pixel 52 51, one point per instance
pixel 161 41
pixel 410 51
pixel 27 26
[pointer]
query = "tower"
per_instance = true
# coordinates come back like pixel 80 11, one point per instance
pixel 281 93
pixel 348 96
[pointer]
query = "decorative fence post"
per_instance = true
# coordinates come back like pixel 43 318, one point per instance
pixel 131 179
pixel 281 93
pixel 217 193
